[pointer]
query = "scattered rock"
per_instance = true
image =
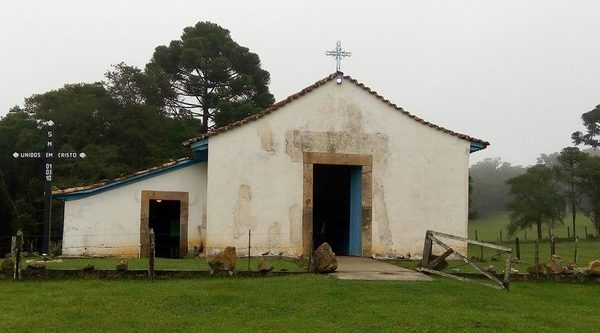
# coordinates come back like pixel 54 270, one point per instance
pixel 554 265
pixel 517 261
pixel 513 272
pixel 536 269
pixel 89 268
pixel 265 267
pixel 571 265
pixel 7 265
pixel 324 259
pixel 224 261
pixel 491 269
pixel 122 266
pixel 36 265
pixel 593 268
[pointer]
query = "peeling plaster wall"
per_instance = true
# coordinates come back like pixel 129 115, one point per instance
pixel 255 176
pixel 108 223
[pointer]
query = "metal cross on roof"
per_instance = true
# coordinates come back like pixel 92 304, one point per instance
pixel 338 54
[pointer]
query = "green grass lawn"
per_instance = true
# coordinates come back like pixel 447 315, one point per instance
pixel 305 303
pixel 197 264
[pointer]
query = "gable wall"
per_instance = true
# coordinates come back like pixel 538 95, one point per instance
pixel 255 176
pixel 108 223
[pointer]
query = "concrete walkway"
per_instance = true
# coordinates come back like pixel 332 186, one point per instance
pixel 357 268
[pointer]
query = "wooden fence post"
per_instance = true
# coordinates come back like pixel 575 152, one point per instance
pixel 568 233
pixel 517 248
pixel 537 258
pixel 500 235
pixel 427 245
pixel 586 232
pixel 549 234
pixel 552 246
pixel 480 247
pixel 17 250
pixel 151 253
pixel 576 249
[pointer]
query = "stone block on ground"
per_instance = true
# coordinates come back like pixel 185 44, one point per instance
pixel 539 269
pixel 224 260
pixel 88 268
pixel 324 260
pixel 7 265
pixel 593 268
pixel 491 269
pixel 571 265
pixel 36 265
pixel 265 267
pixel 122 266
pixel 554 265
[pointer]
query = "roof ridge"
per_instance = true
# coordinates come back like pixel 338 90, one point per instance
pixel 312 87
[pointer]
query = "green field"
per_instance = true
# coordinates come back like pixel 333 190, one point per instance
pixel 306 303
pixel 488 228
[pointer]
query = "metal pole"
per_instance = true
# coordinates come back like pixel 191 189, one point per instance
pixel 48 188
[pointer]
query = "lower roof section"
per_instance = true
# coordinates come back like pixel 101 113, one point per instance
pixel 75 193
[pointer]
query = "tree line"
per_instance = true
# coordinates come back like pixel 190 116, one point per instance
pixel 132 119
pixel 568 181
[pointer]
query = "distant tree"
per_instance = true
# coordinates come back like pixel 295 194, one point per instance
pixel 589 184
pixel 490 192
pixel 549 160
pixel 591 121
pixel 472 213
pixel 567 171
pixel 8 215
pixel 535 200
pixel 206 74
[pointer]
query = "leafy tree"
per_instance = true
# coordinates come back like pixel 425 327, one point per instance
pixel 591 121
pixel 568 162
pixel 589 184
pixel 490 192
pixel 114 123
pixel 208 75
pixel 535 200
pixel 8 215
pixel 472 213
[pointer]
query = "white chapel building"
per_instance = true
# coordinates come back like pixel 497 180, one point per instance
pixel 335 162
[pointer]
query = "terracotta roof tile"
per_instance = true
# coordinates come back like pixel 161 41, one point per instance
pixel 120 179
pixel 312 87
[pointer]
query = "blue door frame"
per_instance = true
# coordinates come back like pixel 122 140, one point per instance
pixel 355 246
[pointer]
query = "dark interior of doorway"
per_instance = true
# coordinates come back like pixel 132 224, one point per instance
pixel 164 219
pixel 331 206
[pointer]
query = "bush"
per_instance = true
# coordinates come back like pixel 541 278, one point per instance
pixel 55 249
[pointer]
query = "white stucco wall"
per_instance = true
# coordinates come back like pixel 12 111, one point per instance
pixel 255 173
pixel 108 223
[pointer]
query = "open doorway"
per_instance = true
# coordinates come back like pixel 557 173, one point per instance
pixel 336 207
pixel 164 219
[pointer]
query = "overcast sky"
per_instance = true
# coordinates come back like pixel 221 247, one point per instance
pixel 518 74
